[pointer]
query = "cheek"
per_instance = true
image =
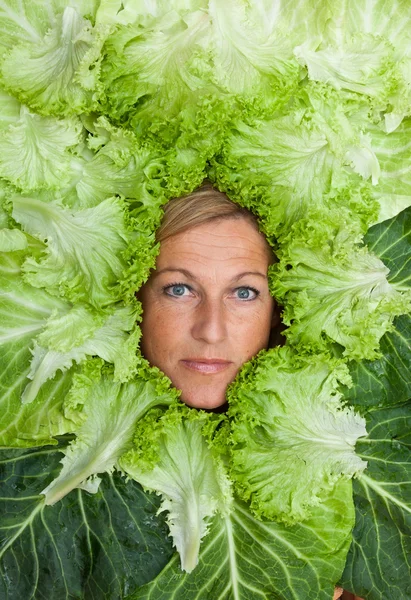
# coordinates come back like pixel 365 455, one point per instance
pixel 253 334
pixel 160 334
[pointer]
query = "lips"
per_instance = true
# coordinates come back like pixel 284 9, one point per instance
pixel 206 365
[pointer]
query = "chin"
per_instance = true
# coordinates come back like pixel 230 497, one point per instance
pixel 204 401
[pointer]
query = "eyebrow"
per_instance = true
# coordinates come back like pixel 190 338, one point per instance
pixel 190 275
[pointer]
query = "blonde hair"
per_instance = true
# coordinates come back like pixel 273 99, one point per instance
pixel 203 205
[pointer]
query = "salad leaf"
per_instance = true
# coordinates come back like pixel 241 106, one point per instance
pixel 12 240
pixel 363 63
pixel 292 439
pixel 378 564
pixel 41 69
pixel 334 289
pixel 78 334
pixel 34 150
pixel 81 262
pixel 310 157
pixel 393 154
pixel 171 457
pixel 386 23
pixel 100 545
pixel 165 53
pixel 106 413
pixel 38 422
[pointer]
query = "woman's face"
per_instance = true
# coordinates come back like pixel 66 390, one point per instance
pixel 207 308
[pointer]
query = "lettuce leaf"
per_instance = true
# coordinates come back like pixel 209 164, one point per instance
pixel 171 457
pixel 335 290
pixel 80 262
pixel 40 421
pixel 41 69
pixel 35 150
pixel 106 413
pixel 291 439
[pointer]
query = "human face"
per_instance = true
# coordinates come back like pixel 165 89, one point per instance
pixel 207 308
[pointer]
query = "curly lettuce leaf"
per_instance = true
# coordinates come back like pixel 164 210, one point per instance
pixel 106 414
pixel 41 69
pixel 83 257
pixel 292 439
pixel 165 54
pixel 252 51
pixel 24 311
pixel 9 110
pixel 312 156
pixel 363 63
pixel 35 150
pixel 393 151
pixel 171 457
pixel 333 289
pixel 387 24
pixel 12 240
pixel 72 337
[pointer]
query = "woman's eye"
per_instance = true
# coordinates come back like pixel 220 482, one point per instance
pixel 177 290
pixel 246 293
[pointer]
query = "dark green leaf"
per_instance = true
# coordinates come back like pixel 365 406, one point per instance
pixel 391 241
pixel 245 559
pixel 379 562
pixel 386 381
pixel 85 547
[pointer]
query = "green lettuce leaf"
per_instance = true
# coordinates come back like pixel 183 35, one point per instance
pixel 363 63
pixel 334 289
pixel 12 240
pixel 312 156
pixel 292 438
pixel 378 564
pixel 80 333
pixel 165 54
pixel 172 458
pixel 9 110
pixel 106 413
pixel 252 51
pixel 101 545
pixel 83 257
pixel 386 24
pixel 41 69
pixel 392 150
pixel 35 150
pixel 30 308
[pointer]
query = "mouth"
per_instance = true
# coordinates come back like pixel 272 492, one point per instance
pixel 206 365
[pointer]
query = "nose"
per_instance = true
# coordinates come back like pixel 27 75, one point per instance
pixel 210 324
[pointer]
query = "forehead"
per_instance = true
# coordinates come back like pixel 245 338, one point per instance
pixel 217 241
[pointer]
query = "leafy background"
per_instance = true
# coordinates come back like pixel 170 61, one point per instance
pixel 301 112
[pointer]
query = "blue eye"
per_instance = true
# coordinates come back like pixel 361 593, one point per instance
pixel 176 290
pixel 246 293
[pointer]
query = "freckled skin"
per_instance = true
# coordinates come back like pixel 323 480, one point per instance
pixel 210 310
